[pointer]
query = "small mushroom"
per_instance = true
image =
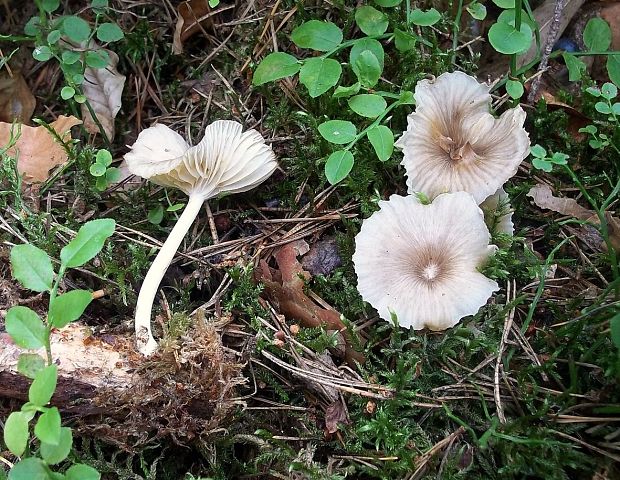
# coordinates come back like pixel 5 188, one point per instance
pixel 453 143
pixel 421 261
pixel 226 160
pixel 498 212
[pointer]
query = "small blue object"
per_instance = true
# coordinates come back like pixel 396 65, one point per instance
pixel 566 44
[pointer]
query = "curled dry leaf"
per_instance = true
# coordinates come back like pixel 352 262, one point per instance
pixel 192 16
pixel 285 286
pixel 336 413
pixel 16 100
pixel 544 198
pixel 103 88
pixel 37 150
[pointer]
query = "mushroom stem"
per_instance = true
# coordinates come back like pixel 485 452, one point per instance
pixel 144 337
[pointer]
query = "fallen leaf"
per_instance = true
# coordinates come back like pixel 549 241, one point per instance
pixel 103 88
pixel 323 257
pixel 285 286
pixel 544 198
pixel 336 413
pixel 16 100
pixel 193 15
pixel 37 150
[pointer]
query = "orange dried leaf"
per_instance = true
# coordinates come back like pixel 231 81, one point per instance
pixel 16 100
pixel 37 150
pixel 192 16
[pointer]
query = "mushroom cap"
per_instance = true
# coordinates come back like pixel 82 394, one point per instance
pixel 225 160
pixel 453 143
pixel 498 212
pixel 420 261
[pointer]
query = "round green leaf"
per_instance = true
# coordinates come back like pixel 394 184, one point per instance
pixel 76 28
pixel 514 89
pixel 538 151
pixel 50 5
pixel 609 91
pixel 507 40
pixel 367 68
pixel 613 68
pixel 82 472
pixel 54 454
pixel 104 157
pixel 403 41
pixel 109 32
pixel 317 35
pixel 382 140
pixel 16 432
pixel 425 18
pixel 68 307
pixel 88 242
pixel 97 59
pixel 319 74
pixel 42 53
pixel 602 107
pixel 508 16
pixel 101 184
pixel 388 3
pixel 477 10
pixel 29 364
pixel 371 21
pixel 156 214
pixel 30 468
pixel 343 92
pixel 364 44
pixel 32 26
pixel 25 328
pixel 43 386
pixel 176 207
pixel 338 131
pixel 576 68
pixel 70 57
pixel 97 170
pixel 99 5
pixel 53 36
pixel 368 105
pixel 275 66
pixel 47 428
pixel 32 267
pixel 112 175
pixel 505 3
pixel 542 164
pixel 67 92
pixel 338 166
pixel 597 35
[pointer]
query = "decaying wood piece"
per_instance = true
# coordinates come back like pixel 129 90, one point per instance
pixel 111 391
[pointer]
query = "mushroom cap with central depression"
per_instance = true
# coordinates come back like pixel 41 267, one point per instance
pixel 421 261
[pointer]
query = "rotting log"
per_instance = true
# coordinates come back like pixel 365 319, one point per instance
pixel 109 390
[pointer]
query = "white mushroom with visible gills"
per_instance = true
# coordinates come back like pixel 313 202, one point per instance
pixel 421 261
pixel 453 143
pixel 226 160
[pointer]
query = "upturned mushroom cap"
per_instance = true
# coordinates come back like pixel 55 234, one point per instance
pixel 226 160
pixel 421 261
pixel 498 212
pixel 453 143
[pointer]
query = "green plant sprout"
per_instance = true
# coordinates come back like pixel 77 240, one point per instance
pixel 33 268
pixel 101 169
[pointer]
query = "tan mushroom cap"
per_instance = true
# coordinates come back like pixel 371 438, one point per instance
pixel 226 160
pixel 453 143
pixel 421 261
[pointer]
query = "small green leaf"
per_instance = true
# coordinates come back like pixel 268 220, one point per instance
pixel 338 131
pixel 559 158
pixel 97 59
pixel 364 44
pixel 104 157
pixel 477 10
pixel 54 454
pixel 371 21
pixel 53 36
pixel 43 386
pixel 82 472
pixel 319 74
pixel 407 98
pixel 367 68
pixel 602 107
pixel 176 207
pixel 30 468
pixel 76 28
pixel 109 32
pixel 25 328
pixel 368 105
pixel 609 91
pixel 538 151
pixel 542 164
pixel 425 18
pixel 595 92
pixel 97 170
pixel 515 89
pixel 343 92
pixel 16 432
pixel 70 57
pixel 388 3
pixel 50 5
pixel 112 175
pixel 317 35
pixel 88 242
pixel 156 214
pixel 68 307
pixel 47 428
pixel 32 26
pixel 403 41
pixel 99 5
pixel 32 267
pixel 576 68
pixel 597 35
pixel 508 16
pixel 382 140
pixel 67 92
pixel 29 364
pixel 275 66
pixel 613 68
pixel 101 184
pixel 42 53
pixel 338 166
pixel 507 40
pixel 505 3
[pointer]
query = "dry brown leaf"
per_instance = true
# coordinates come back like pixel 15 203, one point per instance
pixel 336 413
pixel 103 88
pixel 285 286
pixel 544 198
pixel 16 100
pixel 192 16
pixel 37 150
